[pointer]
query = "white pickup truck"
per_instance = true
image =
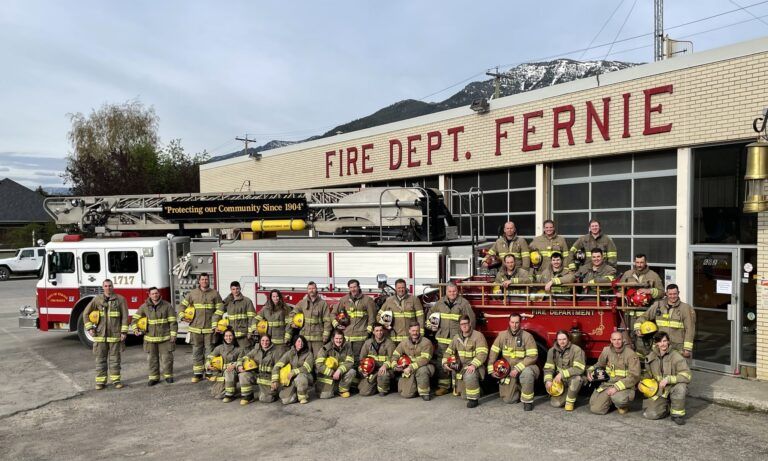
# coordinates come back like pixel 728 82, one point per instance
pixel 27 261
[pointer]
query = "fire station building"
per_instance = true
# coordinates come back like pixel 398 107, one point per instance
pixel 656 152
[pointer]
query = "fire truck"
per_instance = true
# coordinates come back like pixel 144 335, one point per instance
pixel 374 235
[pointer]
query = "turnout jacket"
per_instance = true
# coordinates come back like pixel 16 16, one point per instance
pixel 546 246
pixel 677 320
pixel 587 243
pixel 113 318
pixel 362 314
pixel 469 350
pixel 622 366
pixel 403 312
pixel 519 348
pixel 161 321
pixel 300 362
pixel 450 313
pixel 419 352
pixel 671 366
pixel 240 313
pixel 517 246
pixel 646 276
pixel 381 352
pixel 205 304
pixel 278 319
pixel 569 361
pixel 317 318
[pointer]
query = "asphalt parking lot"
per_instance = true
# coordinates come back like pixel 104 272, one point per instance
pixel 49 410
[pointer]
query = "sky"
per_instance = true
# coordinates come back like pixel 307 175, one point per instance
pixel 287 70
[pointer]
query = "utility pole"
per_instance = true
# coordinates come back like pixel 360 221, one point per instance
pixel 246 141
pixel 658 30
pixel 496 82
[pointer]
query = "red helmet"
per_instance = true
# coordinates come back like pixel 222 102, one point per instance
pixel 403 361
pixel 452 363
pixel 635 298
pixel 501 368
pixel 367 365
pixel 342 317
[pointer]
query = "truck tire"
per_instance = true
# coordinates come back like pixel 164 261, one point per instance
pixel 84 336
pixel 5 274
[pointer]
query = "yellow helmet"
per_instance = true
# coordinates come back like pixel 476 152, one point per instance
pixel 332 363
pixel 648 327
pixel 285 375
pixel 262 327
pixel 556 389
pixel 93 317
pixel 222 325
pixel 141 324
pixel 535 258
pixel 298 320
pixel 249 364
pixel 217 362
pixel 648 387
pixel 537 296
pixel 189 314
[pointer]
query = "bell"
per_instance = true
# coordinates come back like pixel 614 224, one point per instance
pixel 757 172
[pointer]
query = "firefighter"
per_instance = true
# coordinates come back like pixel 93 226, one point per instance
pixel 509 243
pixel 206 301
pixel 361 312
pixel 548 243
pixel 511 274
pixel 518 347
pixel 317 319
pixel 266 383
pixel 555 275
pixel 469 349
pixel 674 317
pixel 670 370
pixel 405 309
pixel 623 369
pixel 380 348
pixel 277 316
pixel 447 312
pixel 586 243
pixel 240 313
pixel 565 366
pixel 641 273
pixel 108 332
pixel 160 336
pixel 300 358
pixel 597 272
pixel 335 367
pixel 225 379
pixel 414 377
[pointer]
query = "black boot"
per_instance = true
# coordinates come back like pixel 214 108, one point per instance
pixel 472 403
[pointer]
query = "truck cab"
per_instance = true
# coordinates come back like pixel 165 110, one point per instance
pixel 26 261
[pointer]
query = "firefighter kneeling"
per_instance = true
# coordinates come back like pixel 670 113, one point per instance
pixel 411 358
pixel 294 371
pixel 335 367
pixel 518 348
pixel 264 356
pixel 622 367
pixel 222 367
pixel 465 358
pixel 565 361
pixel 667 381
pixel 378 375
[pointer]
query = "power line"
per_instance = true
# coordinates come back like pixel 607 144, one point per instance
pixel 748 12
pixel 621 28
pixel 602 28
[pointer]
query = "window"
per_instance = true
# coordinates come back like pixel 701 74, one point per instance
pixel 123 262
pixel 91 263
pixel 62 262
pixel 41 252
pixel 27 254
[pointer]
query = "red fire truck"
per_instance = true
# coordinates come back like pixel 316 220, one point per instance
pixel 375 235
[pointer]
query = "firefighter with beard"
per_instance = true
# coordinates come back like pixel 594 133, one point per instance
pixel 405 309
pixel 468 351
pixel 547 244
pixel 360 311
pixel 317 319
pixel 509 243
pixel 443 320
pixel 412 359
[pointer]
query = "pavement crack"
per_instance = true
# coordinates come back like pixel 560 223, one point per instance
pixel 42 405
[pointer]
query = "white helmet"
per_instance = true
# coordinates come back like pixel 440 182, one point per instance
pixel 386 318
pixel 434 321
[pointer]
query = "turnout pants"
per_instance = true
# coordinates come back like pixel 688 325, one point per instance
pixel 159 359
pixel 327 387
pixel 572 386
pixel 375 382
pixel 443 377
pixel 298 389
pixel 107 357
pixel 201 348
pixel 417 382
pixel 600 402
pixel 259 387
pixel 468 385
pixel 512 390
pixel 670 402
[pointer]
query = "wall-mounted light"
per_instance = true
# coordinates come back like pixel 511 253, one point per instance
pixel 480 106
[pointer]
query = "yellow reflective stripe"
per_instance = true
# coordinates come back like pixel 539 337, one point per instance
pixel 219 312
pixel 532 352
pixel 449 316
pixel 672 379
pixel 200 330
pixel 425 355
pixel 685 374
pixel 444 341
pixel 237 316
pixel 88 325
pixel 566 373
pixel 495 348
pixel 185 303
pixel 688 345
pixel 276 323
pixel 669 323
pixel 549 365
pixel 156 339
pixel 677 412
pixel 158 321
pixel 520 366
pixel 620 385
pixel 203 306
pixel 406 314
pixel 466 354
pixel 112 313
pixel 578 365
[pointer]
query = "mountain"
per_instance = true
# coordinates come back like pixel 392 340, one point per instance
pixel 525 77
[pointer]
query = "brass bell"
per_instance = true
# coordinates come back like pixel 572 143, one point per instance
pixel 757 172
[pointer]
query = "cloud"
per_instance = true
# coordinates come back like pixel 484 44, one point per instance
pixel 46 173
pixel 2 168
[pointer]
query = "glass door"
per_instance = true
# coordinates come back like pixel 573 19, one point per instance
pixel 748 309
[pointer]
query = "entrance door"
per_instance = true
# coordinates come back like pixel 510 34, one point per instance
pixel 748 314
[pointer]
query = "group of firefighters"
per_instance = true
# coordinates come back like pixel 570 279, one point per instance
pixel 282 351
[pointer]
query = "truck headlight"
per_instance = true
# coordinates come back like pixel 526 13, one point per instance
pixel 27 311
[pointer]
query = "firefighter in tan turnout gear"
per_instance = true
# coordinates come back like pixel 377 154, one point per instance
pixel 443 320
pixel 380 349
pixel 556 275
pixel 623 372
pixel 670 376
pixel 240 313
pixel 673 317
pixel 509 244
pixel 596 272
pixel 564 371
pixel 205 300
pixel 335 367
pixel 518 347
pixel 265 357
pixel 106 317
pixel 222 364
pixel 405 309
pixel 586 243
pixel 641 273
pixel 359 311
pixel 465 358
pixel 412 359
pixel 159 332
pixel 547 244
pixel 295 386
pixel 317 319
pixel 274 319
pixel 510 274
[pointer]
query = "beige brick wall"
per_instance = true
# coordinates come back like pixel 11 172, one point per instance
pixel 762 295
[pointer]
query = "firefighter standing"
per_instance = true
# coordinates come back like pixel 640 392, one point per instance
pixel 416 375
pixel 565 365
pixel 300 358
pixel 641 273
pixel 518 347
pixel 509 244
pixel 511 274
pixel 160 335
pixel 317 319
pixel 405 309
pixel 547 244
pixel 240 313
pixel 450 308
pixel 674 317
pixel 469 349
pixel 277 316
pixel 335 367
pixel 266 382
pixel 225 378
pixel 108 331
pixel 671 372
pixel 556 275
pixel 380 348
pixel 596 272
pixel 361 313
pixel 205 300
pixel 623 369
pixel 594 239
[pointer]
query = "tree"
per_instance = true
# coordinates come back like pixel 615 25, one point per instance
pixel 116 150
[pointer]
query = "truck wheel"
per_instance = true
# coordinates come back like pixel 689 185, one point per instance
pixel 5 274
pixel 85 336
